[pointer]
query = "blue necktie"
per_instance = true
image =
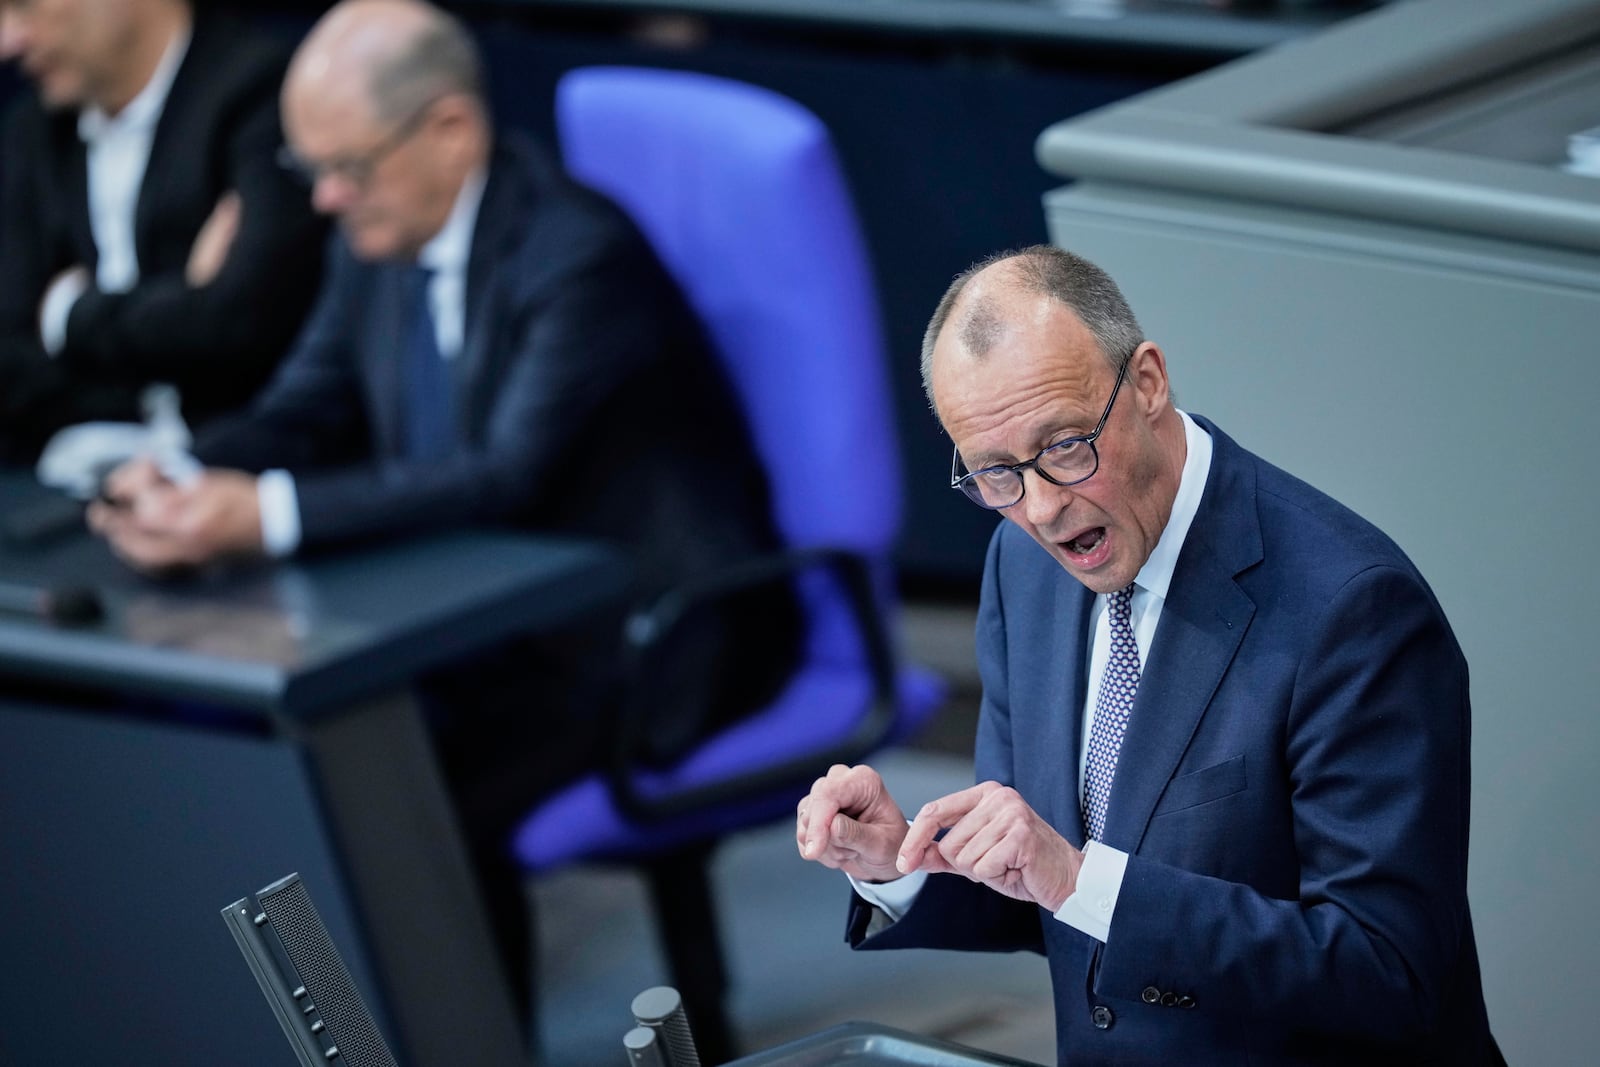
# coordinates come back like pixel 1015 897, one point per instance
pixel 1119 683
pixel 430 417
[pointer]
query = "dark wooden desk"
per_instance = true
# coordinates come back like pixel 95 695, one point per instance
pixel 213 733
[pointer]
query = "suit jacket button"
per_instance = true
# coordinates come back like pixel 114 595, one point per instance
pixel 1151 994
pixel 1168 999
pixel 1102 1017
pixel 1185 1001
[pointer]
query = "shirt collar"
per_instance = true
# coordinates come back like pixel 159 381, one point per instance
pixel 1156 574
pixel 448 250
pixel 144 110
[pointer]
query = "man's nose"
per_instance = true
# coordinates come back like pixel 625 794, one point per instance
pixel 331 193
pixel 1042 500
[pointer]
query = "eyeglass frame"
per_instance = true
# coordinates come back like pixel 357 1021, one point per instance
pixel 958 481
pixel 357 170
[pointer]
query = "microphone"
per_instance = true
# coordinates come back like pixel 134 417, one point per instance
pixel 70 605
pixel 644 1050
pixel 660 1009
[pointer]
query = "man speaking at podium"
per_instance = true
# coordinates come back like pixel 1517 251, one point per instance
pixel 1223 751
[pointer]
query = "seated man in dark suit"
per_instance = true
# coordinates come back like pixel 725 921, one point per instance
pixel 147 233
pixel 1224 747
pixel 493 344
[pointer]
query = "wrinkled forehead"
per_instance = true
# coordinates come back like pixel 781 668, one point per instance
pixel 1042 366
pixel 328 112
pixel 1001 332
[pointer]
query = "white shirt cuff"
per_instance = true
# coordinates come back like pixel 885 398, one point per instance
pixel 1094 901
pixel 57 305
pixel 894 898
pixel 280 513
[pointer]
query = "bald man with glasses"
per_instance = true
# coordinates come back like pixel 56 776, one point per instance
pixel 494 345
pixel 1223 751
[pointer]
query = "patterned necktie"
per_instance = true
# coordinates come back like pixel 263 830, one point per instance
pixel 430 419
pixel 1119 682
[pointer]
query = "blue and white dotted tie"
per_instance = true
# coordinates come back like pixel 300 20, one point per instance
pixel 1119 682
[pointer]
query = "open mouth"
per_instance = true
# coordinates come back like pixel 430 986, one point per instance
pixel 1087 541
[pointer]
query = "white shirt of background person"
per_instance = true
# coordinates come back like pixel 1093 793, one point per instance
pixel 117 150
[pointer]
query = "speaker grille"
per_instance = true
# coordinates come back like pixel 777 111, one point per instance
pixel 305 941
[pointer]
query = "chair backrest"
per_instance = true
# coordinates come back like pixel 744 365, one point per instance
pixel 741 194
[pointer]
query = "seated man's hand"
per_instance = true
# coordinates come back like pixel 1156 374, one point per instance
pixel 214 241
pixel 993 837
pixel 849 822
pixel 154 524
pixel 124 484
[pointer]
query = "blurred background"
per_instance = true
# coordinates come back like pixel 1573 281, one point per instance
pixel 1374 264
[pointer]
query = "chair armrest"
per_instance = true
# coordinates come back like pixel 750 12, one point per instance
pixel 647 637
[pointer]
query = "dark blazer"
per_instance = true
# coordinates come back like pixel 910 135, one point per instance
pixel 1292 788
pixel 589 400
pixel 219 343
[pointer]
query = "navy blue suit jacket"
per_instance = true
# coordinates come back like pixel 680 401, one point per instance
pixel 1292 789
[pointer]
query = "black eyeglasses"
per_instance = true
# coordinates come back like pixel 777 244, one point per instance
pixel 356 170
pixel 1066 462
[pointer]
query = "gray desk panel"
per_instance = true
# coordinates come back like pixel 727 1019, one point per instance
pixel 1255 129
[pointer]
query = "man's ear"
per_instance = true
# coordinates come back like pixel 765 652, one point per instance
pixel 1148 376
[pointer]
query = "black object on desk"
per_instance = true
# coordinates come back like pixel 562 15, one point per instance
pixel 219 730
pixel 69 605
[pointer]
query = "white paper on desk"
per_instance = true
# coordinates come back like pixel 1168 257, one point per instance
pixel 77 457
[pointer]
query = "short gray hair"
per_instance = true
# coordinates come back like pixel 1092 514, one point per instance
pixel 1069 279
pixel 442 59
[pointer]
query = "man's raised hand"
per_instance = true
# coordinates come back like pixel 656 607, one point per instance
pixel 995 838
pixel 849 822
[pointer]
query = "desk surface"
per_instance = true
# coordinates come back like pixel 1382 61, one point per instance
pixel 296 638
pixel 870 1045
pixel 1163 25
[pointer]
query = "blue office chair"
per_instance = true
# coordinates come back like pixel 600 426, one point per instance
pixel 740 193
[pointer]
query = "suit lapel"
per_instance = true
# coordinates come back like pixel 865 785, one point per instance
pixel 75 177
pixel 477 365
pixel 1203 622
pixel 172 144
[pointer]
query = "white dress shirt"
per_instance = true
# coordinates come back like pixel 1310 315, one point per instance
pixel 117 150
pixel 447 255
pixel 1094 901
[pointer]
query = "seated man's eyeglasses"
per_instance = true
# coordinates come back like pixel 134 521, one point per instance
pixel 357 170
pixel 1066 462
